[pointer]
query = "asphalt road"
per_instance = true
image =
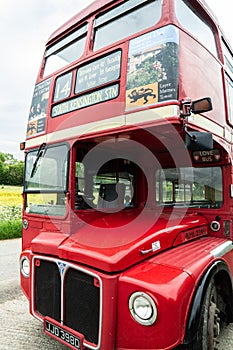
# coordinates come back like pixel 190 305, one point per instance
pixel 18 329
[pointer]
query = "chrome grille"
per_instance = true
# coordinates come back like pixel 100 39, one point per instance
pixel 70 295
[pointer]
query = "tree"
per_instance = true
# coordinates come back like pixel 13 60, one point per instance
pixel 11 170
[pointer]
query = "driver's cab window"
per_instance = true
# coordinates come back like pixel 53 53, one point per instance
pixel 111 187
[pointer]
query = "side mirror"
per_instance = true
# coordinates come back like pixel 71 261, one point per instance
pixel 202 105
pixel 187 107
pixel 195 140
pixel 198 141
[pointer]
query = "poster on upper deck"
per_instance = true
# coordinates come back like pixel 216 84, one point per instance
pixel 152 74
pixel 37 115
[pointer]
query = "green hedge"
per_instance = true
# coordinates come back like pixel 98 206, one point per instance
pixel 10 229
pixel 10 221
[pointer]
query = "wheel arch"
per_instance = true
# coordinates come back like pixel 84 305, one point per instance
pixel 220 272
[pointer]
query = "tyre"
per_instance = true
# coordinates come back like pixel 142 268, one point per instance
pixel 209 328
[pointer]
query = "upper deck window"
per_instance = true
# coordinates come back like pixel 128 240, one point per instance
pixel 228 61
pixel 191 20
pixel 228 58
pixel 65 51
pixel 124 20
pixel 229 84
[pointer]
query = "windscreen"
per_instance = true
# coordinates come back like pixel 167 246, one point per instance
pixel 46 180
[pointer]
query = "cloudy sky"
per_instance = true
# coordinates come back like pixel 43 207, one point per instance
pixel 25 25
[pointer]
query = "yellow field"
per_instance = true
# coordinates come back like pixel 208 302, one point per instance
pixel 10 195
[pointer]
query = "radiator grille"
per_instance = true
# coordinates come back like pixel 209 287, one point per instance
pixel 83 297
pixel 63 292
pixel 48 290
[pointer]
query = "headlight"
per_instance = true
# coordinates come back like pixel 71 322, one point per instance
pixel 143 308
pixel 25 266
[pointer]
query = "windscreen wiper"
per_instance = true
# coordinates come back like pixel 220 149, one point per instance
pixel 38 156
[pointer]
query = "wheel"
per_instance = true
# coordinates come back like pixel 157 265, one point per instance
pixel 209 329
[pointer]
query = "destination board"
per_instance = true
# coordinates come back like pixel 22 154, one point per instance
pixel 99 72
pixel 101 95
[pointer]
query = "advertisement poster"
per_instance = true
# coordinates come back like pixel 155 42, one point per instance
pixel 152 74
pixel 37 115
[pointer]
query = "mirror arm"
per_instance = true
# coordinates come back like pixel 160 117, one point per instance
pixel 185 107
pixel 192 137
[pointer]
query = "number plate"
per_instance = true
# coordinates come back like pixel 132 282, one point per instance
pixel 63 334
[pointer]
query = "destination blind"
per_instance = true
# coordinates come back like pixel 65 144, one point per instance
pixel 90 99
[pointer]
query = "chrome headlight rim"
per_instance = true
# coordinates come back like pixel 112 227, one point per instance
pixel 25 266
pixel 141 300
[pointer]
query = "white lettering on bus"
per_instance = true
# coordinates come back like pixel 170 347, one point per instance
pixel 86 100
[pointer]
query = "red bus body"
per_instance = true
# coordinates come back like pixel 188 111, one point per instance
pixel 104 273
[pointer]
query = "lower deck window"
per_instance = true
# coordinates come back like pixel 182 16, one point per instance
pixel 51 204
pixel 192 187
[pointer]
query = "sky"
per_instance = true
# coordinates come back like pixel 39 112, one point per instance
pixel 25 26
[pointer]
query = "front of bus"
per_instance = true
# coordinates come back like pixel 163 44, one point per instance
pixel 117 212
pixel 115 234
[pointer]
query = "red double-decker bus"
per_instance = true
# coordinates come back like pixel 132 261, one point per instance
pixel 128 185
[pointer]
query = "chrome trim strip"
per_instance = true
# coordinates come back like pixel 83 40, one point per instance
pixel 222 249
pixel 67 265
